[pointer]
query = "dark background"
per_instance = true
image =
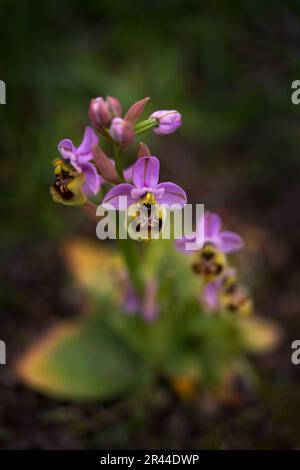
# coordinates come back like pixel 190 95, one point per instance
pixel 228 68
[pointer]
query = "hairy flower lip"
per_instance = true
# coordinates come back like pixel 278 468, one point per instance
pixel 67 188
pixel 227 293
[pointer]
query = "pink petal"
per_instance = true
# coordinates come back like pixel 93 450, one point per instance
pixel 180 245
pixel 172 194
pixel 145 172
pixel 210 295
pixel 127 173
pixel 138 193
pixel 112 196
pixel 84 151
pixel 230 241
pixel 92 180
pixel 212 224
pixel 67 149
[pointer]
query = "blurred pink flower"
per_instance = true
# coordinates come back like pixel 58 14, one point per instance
pixel 224 241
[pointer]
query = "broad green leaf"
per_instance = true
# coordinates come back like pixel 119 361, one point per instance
pixel 82 360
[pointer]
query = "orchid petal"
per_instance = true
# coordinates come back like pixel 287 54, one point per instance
pixel 230 241
pixel 67 149
pixel 84 151
pixel 112 197
pixel 145 172
pixel 180 245
pixel 127 173
pixel 173 194
pixel 92 180
pixel 212 224
pixel 210 295
pixel 138 193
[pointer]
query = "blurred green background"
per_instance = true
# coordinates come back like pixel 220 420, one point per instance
pixel 228 68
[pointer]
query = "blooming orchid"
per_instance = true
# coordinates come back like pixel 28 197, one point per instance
pixel 145 176
pixel 80 159
pixel 227 293
pixel 136 189
pixel 224 241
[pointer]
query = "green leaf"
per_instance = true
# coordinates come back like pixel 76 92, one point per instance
pixel 172 270
pixel 83 360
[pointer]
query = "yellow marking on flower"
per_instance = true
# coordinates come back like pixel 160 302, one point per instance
pixel 149 198
pixel 146 218
pixel 67 188
pixel 210 262
pixel 237 301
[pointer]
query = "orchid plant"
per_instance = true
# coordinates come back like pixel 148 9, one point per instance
pixel 158 310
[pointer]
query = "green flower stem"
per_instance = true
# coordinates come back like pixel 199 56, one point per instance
pixel 143 126
pixel 119 160
pixel 128 247
pixel 129 251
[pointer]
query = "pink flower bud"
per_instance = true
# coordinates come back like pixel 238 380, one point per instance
pixel 143 150
pixel 136 110
pixel 168 121
pixel 122 132
pixel 102 111
pixel 114 106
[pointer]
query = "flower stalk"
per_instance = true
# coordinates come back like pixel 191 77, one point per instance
pixel 119 160
pixel 144 126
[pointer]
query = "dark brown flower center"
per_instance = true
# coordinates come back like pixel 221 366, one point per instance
pixel 60 184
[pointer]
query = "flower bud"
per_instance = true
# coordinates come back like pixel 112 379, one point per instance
pixel 114 106
pixel 143 150
pixel 122 132
pixel 136 110
pixel 102 111
pixel 105 166
pixel 168 121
